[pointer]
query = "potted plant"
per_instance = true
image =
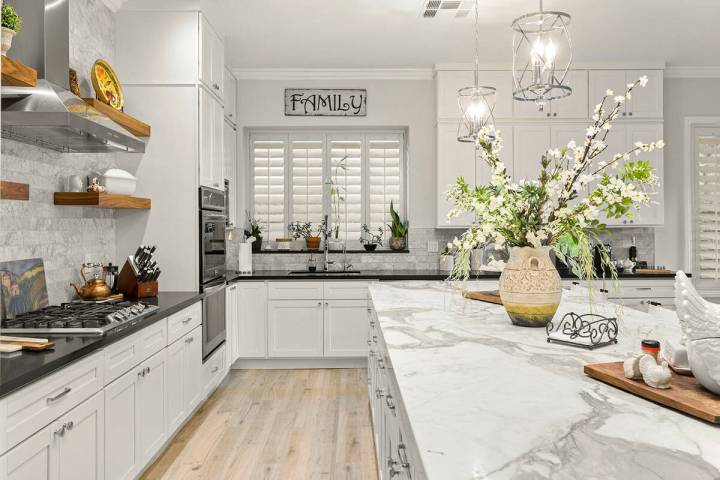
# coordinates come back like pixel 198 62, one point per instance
pixel 369 240
pixel 11 25
pixel 337 198
pixel 295 230
pixel 398 231
pixel 557 211
pixel 254 230
pixel 447 259
pixel 300 230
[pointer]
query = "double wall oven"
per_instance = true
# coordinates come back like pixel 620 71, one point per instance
pixel 213 218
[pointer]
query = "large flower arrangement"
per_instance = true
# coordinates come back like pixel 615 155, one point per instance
pixel 561 208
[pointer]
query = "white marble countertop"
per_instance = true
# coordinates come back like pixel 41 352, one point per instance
pixel 486 399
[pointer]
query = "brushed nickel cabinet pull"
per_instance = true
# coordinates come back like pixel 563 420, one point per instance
pixel 65 391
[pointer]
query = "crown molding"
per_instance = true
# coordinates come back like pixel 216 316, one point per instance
pixel 439 67
pixel 333 73
pixel 692 72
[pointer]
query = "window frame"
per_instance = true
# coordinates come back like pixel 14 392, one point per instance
pixel 326 135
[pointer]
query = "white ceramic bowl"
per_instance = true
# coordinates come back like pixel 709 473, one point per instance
pixel 704 357
pixel 119 181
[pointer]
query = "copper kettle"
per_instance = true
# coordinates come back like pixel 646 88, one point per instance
pixel 94 288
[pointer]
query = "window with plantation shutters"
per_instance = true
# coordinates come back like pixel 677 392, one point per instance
pixel 707 206
pixel 346 166
pixel 384 179
pixel 295 174
pixel 306 178
pixel 268 166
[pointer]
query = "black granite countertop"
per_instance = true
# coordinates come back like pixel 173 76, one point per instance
pixel 21 368
pixel 391 275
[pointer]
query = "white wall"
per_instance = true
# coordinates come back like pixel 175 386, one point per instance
pixel 390 103
pixel 683 97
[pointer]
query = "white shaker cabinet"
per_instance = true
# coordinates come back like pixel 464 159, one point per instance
pixel 135 417
pixel 295 328
pixel 184 378
pixel 251 332
pixel 212 58
pixel 530 143
pixel 645 102
pixel 230 96
pixel 231 323
pixel 211 141
pixel 345 328
pixel 454 159
pixel 70 448
pixel 230 168
pixel 193 387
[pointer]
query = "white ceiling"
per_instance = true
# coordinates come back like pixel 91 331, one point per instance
pixel 392 34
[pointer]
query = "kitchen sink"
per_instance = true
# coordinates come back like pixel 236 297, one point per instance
pixel 322 273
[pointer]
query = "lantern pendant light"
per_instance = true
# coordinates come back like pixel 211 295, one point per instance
pixel 477 102
pixel 542 54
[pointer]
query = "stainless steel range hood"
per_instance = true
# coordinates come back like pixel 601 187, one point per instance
pixel 49 115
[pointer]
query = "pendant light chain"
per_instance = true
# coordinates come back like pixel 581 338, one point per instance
pixel 476 33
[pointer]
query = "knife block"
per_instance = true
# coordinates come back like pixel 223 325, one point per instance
pixel 129 285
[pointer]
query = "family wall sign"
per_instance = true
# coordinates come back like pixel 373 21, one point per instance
pixel 320 102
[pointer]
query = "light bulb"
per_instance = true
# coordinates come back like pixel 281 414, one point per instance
pixel 550 53
pixel 477 109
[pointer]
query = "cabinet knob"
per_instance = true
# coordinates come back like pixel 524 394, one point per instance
pixel 403 456
pixel 215 369
pixel 624 113
pixel 216 86
pixel 60 431
pixel 187 320
pixel 390 402
pixel 319 304
pixel 630 114
pixel 547 114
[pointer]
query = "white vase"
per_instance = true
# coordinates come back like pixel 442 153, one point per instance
pixel 447 263
pixel 7 37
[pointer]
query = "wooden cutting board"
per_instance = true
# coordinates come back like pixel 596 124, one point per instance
pixel 27 343
pixel 492 296
pixel 651 271
pixel 685 393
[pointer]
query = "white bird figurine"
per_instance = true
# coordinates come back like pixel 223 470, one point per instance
pixel 656 376
pixel 698 317
pixel 631 367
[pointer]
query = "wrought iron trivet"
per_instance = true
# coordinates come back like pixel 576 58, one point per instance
pixel 596 331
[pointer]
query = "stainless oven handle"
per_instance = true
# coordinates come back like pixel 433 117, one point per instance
pixel 214 216
pixel 214 289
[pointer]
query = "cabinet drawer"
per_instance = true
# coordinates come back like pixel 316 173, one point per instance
pixel 346 290
pixel 125 354
pixel 213 369
pixel 35 406
pixel 179 324
pixel 642 291
pixel 295 290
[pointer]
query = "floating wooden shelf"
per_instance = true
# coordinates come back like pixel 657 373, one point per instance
pixel 101 200
pixel 129 123
pixel 17 74
pixel 14 191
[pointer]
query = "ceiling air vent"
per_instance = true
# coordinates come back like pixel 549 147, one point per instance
pixel 447 9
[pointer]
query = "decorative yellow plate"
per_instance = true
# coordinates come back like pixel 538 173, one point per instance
pixel 106 85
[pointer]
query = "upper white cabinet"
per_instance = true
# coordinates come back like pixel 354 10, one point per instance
pixel 530 143
pixel 211 141
pixel 230 96
pixel 448 82
pixel 574 105
pixel 528 133
pixel 645 102
pixel 212 58
pixel 230 168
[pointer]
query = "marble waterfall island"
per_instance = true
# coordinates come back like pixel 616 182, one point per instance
pixel 485 399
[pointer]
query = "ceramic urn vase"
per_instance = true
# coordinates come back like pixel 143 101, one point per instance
pixel 530 287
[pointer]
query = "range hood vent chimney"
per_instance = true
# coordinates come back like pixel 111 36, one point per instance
pixel 49 115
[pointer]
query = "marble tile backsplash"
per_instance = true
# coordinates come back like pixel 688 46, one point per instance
pixel 420 259
pixel 62 236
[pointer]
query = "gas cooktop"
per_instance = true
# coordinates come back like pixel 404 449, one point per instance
pixel 78 318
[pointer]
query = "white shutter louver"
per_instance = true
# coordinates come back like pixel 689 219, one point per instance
pixel 307 180
pixel 383 179
pixel 347 151
pixel 268 161
pixel 707 205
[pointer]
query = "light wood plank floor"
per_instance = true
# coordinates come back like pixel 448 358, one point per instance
pixel 277 424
